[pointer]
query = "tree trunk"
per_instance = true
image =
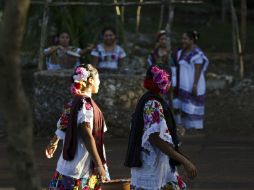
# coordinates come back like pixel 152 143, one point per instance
pixel 224 8
pixel 13 102
pixel 235 56
pixel 122 12
pixel 43 34
pixel 170 21
pixel 161 15
pixel 138 16
pixel 243 23
pixel 237 44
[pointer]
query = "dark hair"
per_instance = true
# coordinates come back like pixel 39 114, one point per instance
pixel 92 70
pixel 193 35
pixel 108 28
pixel 55 38
pixel 63 32
pixel 161 33
pixel 149 74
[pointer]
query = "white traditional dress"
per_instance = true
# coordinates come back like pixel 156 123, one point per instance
pixel 108 59
pixel 67 172
pixel 51 60
pixel 190 105
pixel 156 172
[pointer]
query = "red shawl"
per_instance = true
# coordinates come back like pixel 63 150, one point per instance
pixel 71 136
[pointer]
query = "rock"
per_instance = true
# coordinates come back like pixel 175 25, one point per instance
pixel 131 94
pixel 123 97
pixel 145 40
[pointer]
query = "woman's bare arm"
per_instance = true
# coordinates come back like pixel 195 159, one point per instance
pixel 167 149
pixel 86 135
pixel 51 148
pixel 197 73
pixel 51 50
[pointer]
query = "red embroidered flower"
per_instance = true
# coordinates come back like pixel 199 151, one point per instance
pixel 156 104
pixel 155 117
pixel 64 120
pixel 88 106
pixel 180 181
pixel 77 182
pixel 77 85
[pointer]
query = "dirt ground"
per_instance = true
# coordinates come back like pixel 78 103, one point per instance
pixel 224 163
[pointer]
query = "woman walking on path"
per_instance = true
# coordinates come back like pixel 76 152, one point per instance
pixel 152 150
pixel 82 163
pixel 190 88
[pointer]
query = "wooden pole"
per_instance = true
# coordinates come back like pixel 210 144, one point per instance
pixel 243 23
pixel 237 44
pixel 233 37
pixel 224 5
pixel 122 10
pixel 117 16
pixel 170 21
pixel 138 16
pixel 43 33
pixel 120 26
pixel 161 15
pixel 114 4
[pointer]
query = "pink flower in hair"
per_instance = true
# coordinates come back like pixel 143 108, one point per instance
pixel 81 74
pixel 155 69
pixel 161 79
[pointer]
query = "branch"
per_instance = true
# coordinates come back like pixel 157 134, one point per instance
pixel 115 4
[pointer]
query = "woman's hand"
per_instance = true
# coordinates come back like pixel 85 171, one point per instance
pixel 90 47
pixel 190 169
pixel 100 172
pixel 194 90
pixel 50 150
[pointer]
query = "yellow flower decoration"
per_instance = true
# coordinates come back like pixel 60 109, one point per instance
pixel 92 181
pixel 168 187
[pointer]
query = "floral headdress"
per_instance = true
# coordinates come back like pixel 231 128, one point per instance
pixel 160 81
pixel 80 77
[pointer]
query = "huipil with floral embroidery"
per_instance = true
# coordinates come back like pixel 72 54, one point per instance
pixel 156 172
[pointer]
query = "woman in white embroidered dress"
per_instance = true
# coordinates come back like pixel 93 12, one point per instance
pixel 63 55
pixel 190 87
pixel 88 162
pixel 158 141
pixel 108 56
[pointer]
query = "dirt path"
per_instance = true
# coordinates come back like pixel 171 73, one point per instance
pixel 223 163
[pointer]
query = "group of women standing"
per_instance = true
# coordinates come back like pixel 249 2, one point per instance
pixel 152 152
pixel 187 67
pixel 106 56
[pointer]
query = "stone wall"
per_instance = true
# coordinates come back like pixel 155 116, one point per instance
pixel 117 98
pixel 229 106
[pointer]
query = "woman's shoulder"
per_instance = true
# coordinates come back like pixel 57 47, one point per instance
pixel 197 55
pixel 87 105
pixel 119 48
pixel 86 112
pixel 153 103
pixel 99 47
